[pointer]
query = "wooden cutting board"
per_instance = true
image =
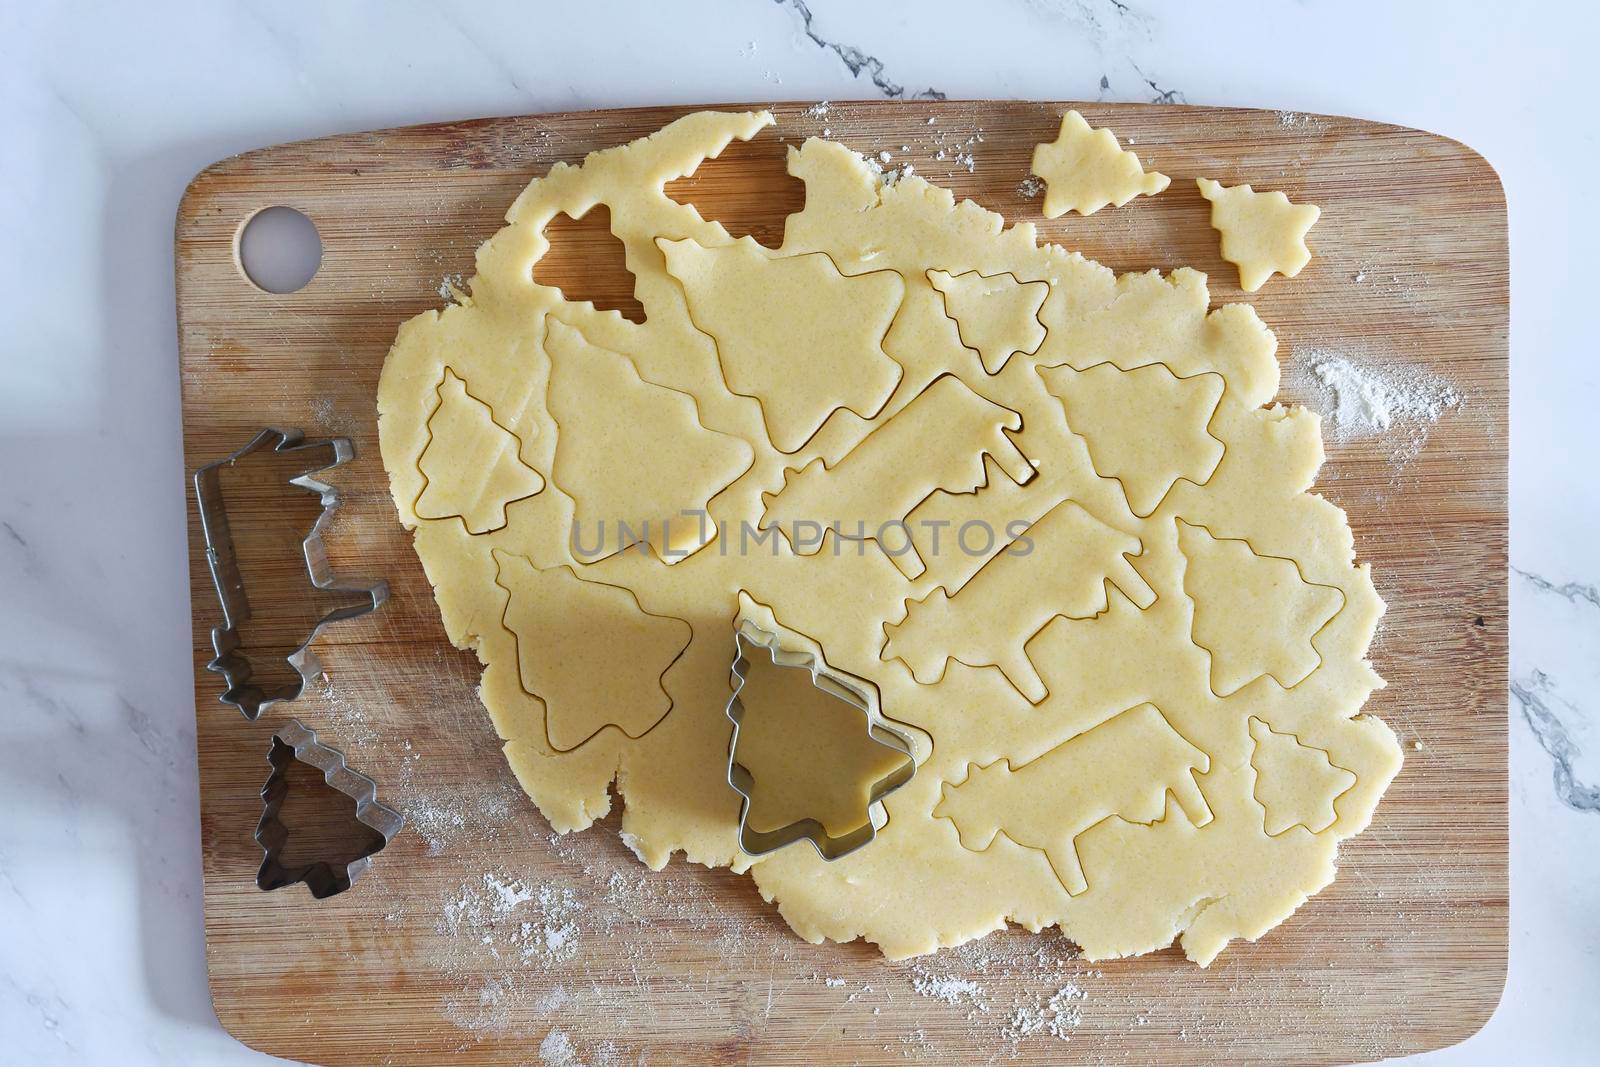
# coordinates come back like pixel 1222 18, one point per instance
pixel 478 933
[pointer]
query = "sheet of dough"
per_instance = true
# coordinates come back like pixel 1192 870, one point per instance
pixel 1106 681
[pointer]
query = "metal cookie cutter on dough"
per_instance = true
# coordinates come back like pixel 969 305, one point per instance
pixel 858 693
pixel 296 741
pixel 231 661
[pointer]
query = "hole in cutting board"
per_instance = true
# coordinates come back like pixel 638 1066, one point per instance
pixel 279 250
pixel 747 188
pixel 586 261
pixel 268 519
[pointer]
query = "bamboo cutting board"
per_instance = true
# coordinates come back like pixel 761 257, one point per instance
pixel 478 933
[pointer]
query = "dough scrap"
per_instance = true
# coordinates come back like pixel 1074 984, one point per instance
pixel 1084 169
pixel 1112 752
pixel 1262 233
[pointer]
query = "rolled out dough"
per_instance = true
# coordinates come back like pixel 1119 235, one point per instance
pixel 1129 640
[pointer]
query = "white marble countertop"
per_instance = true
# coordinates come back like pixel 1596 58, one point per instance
pixel 110 109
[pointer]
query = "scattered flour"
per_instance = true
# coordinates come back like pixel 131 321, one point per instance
pixel 1368 401
pixel 1056 1016
pixel 949 988
pixel 1031 186
pixel 507 894
pixel 524 951
pixel 491 913
pixel 1012 991
pixel 1295 120
pixel 447 286
pixel 1363 398
pixel 556 1050
pixel 348 717
pixel 323 413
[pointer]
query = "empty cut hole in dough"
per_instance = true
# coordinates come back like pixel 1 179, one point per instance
pixel 321 822
pixel 279 250
pixel 586 261
pixel 748 188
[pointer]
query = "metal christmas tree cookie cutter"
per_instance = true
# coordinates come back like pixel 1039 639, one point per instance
pixel 858 693
pixel 296 741
pixel 230 660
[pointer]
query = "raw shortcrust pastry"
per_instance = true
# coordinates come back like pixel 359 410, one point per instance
pixel 1084 169
pixel 1262 233
pixel 1166 742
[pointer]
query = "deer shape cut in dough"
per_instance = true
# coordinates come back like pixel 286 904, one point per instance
pixel 1061 565
pixel 1125 767
pixel 938 441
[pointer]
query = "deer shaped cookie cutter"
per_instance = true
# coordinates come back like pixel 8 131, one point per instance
pixel 230 660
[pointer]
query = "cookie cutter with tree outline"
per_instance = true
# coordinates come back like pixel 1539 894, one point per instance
pixel 297 741
pixel 858 693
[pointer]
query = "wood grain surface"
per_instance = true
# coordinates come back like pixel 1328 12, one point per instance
pixel 428 954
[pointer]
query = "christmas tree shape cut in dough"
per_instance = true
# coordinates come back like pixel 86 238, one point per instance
pixel 1262 233
pixel 1296 784
pixel 1144 427
pixel 829 328
pixel 1124 767
pixel 997 317
pixel 1085 169
pixel 472 465
pixel 633 455
pixel 938 441
pixel 588 651
pixel 810 754
pixel 1256 615
pixel 1070 559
